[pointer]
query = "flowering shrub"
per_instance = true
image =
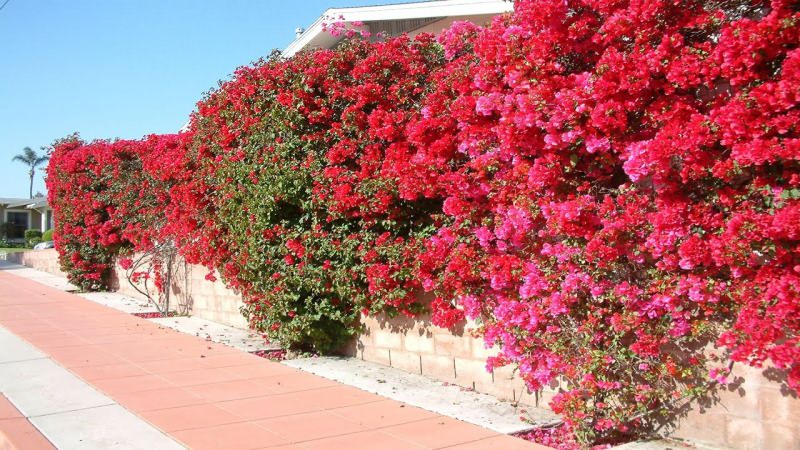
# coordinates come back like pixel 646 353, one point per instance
pixel 629 196
pixel 107 202
pixel 299 210
pixel 609 187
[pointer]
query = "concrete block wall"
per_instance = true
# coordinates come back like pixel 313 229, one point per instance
pixel 44 260
pixel 212 300
pixel 417 346
pixel 191 293
pixel 755 412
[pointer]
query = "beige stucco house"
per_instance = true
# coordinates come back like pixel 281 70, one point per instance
pixel 20 214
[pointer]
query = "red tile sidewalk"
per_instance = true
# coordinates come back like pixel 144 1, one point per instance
pixel 210 396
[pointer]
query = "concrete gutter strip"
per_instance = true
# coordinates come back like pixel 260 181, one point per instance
pixel 426 393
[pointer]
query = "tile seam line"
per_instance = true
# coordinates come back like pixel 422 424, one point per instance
pixel 307 441
pixel 22 360
pixel 205 400
pixel 177 333
pixel 291 414
pixel 220 404
pixel 246 420
pixel 137 364
pixel 73 334
pixel 289 393
pixel 213 383
pixel 71 410
pixel 471 442
pixel 381 428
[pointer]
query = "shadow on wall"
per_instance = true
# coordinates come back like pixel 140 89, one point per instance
pixel 138 282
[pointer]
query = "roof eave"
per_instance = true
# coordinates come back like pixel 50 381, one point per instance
pixel 419 10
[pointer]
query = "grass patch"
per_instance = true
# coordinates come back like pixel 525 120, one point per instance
pixel 12 250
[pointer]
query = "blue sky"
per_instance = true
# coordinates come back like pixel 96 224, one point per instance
pixel 124 68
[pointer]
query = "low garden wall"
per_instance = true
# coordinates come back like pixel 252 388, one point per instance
pixel 44 260
pixel 191 292
pixel 754 412
pixel 418 346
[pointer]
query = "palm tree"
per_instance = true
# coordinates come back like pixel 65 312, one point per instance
pixel 33 160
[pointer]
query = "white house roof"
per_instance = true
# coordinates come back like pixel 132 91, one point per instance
pixel 30 203
pixel 13 201
pixel 39 202
pixel 409 14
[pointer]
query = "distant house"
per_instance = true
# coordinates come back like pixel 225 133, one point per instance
pixel 396 19
pixel 20 214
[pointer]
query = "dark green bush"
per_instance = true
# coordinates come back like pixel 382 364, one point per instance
pixel 5 229
pixel 31 235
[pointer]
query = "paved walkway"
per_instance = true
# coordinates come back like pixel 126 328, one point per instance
pixel 202 394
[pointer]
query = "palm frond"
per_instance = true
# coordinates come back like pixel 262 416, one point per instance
pixel 30 157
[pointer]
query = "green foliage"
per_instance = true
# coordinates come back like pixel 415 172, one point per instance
pixel 5 229
pixel 32 233
pixel 302 218
pixel 48 235
pixel 6 244
pixel 32 237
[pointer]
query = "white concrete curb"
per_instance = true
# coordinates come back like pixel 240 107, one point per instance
pixel 426 393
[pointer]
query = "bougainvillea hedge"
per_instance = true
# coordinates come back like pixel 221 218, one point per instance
pixel 109 199
pixel 291 159
pixel 630 196
pixel 610 188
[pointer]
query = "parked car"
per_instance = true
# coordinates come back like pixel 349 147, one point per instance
pixel 44 245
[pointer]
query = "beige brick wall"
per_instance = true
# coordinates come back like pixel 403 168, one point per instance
pixel 754 413
pixel 191 292
pixel 415 345
pixel 213 300
pixel 44 260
